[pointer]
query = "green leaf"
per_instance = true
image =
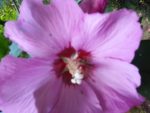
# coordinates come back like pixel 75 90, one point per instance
pixel 8 12
pixel 4 43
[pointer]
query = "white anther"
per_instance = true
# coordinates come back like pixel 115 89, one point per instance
pixel 79 81
pixel 76 81
pixel 78 75
pixel 77 78
pixel 73 81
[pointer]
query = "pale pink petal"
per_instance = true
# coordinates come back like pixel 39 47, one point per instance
pixel 116 35
pixel 92 6
pixel 26 105
pixel 77 99
pixel 20 82
pixel 42 30
pixel 115 83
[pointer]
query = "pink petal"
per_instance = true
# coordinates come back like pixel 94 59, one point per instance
pixel 20 82
pixel 42 30
pixel 116 35
pixel 25 106
pixel 77 99
pixel 48 95
pixel 92 6
pixel 115 83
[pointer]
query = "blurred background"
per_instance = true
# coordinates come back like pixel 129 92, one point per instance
pixel 9 10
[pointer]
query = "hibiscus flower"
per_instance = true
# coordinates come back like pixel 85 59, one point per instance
pixel 80 63
pixel 92 6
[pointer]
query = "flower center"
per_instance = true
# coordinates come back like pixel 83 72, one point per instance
pixel 72 65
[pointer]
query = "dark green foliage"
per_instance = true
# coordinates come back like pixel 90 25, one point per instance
pixel 142 61
pixel 4 43
pixel 141 6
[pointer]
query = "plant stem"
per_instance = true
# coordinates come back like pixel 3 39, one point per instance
pixel 16 6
